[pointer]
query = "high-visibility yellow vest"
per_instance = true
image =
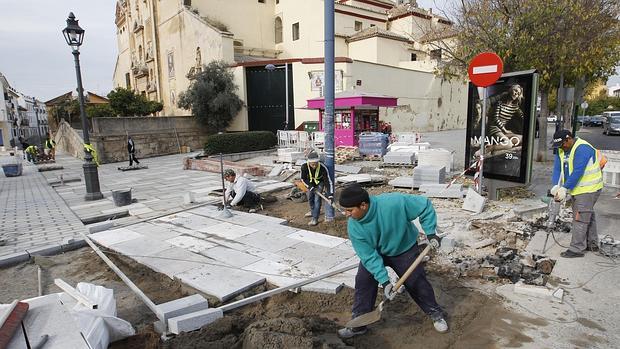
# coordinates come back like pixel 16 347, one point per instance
pixel 317 176
pixel 89 148
pixel 592 179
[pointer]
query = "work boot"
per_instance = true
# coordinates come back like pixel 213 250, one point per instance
pixel 313 222
pixel 308 214
pixel 329 220
pixel 570 254
pixel 347 332
pixel 440 325
pixel 592 248
pixel 252 210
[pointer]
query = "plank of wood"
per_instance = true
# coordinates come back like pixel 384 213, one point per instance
pixel 80 298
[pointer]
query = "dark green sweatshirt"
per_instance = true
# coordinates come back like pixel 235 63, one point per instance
pixel 387 230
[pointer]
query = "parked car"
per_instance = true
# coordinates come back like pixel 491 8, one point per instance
pixel 552 118
pixel 595 121
pixel 611 122
pixel 583 119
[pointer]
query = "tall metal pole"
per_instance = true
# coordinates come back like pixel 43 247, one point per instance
pixel 36 114
pixel 482 136
pixel 91 177
pixel 329 95
pixel 287 91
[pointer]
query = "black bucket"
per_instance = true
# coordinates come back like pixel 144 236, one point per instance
pixel 121 197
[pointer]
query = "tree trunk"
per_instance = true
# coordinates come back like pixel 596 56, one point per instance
pixel 541 155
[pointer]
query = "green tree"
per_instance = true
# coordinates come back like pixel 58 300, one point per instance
pixel 603 103
pixel 68 109
pixel 578 39
pixel 125 102
pixel 212 97
pixel 99 111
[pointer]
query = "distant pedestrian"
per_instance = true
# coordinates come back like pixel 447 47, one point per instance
pixel 50 147
pixel 131 149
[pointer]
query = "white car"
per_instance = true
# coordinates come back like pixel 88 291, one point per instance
pixel 552 118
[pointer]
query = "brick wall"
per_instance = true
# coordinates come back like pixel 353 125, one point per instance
pixel 153 136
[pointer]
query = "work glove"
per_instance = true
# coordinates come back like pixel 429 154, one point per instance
pixel 388 290
pixel 560 195
pixel 434 241
pixel 554 190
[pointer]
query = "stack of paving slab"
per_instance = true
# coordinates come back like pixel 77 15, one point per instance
pixel 611 172
pixel 427 174
pixel 399 158
pixel 224 257
pixel 290 155
pixel 360 178
pixel 436 157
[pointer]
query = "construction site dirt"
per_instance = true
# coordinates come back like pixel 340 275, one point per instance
pixel 290 320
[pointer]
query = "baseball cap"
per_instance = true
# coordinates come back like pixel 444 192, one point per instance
pixel 559 137
pixel 313 157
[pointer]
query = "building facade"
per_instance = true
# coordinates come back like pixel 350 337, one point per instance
pixel 20 116
pixel 382 46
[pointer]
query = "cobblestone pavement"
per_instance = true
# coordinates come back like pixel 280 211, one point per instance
pixel 34 218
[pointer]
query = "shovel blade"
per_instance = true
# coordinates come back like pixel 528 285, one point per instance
pixel 366 319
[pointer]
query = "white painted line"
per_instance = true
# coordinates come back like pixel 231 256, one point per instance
pixel 485 69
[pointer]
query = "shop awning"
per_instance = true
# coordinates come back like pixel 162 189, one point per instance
pixel 353 98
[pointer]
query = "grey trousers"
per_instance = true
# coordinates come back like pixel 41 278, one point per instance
pixel 584 222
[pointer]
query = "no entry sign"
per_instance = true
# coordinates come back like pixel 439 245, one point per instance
pixel 485 69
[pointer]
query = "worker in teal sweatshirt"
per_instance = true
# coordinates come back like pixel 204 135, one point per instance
pixel 382 234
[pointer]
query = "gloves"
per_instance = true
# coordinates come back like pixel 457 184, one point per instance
pixel 560 195
pixel 434 241
pixel 388 290
pixel 554 190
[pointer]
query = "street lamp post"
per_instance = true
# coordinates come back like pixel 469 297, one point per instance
pixel 36 115
pixel 74 35
pixel 272 67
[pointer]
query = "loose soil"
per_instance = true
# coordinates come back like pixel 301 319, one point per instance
pixel 289 320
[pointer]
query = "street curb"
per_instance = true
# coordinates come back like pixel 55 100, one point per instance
pixel 49 250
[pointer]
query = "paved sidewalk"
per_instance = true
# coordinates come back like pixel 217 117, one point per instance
pixel 35 219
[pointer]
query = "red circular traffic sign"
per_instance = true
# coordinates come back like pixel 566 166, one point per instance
pixel 485 69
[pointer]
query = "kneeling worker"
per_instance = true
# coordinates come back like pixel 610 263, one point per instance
pixel 382 235
pixel 241 191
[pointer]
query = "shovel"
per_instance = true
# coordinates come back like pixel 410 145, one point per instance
pixel 375 315
pixel 304 188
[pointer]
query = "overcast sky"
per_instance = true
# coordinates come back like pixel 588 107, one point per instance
pixel 37 62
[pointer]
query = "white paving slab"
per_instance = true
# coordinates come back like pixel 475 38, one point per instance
pixel 190 243
pixel 141 246
pixel 174 261
pixel 320 257
pixel 323 286
pixel 316 238
pixel 219 241
pixel 268 241
pixel 219 281
pixel 274 257
pixel 194 321
pixel 230 256
pixel 267 267
pixel 228 230
pixel 139 211
pixel 153 231
pixel 110 237
pixel 181 306
pixel 273 227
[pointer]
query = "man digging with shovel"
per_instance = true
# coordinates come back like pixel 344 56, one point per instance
pixel 382 235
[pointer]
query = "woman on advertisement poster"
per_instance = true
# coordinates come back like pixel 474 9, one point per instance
pixel 506 120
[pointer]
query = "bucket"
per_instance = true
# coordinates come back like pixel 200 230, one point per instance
pixel 121 197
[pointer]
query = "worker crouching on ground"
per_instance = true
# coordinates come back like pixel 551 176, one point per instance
pixel 241 191
pixel 32 152
pixel 382 235
pixel 316 177
pixel 577 171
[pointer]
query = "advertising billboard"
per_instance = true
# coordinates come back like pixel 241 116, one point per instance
pixel 509 130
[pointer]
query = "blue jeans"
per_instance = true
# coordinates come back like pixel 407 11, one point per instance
pixel 316 201
pixel 417 285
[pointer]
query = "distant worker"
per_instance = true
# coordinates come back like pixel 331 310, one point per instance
pixel 577 171
pixel 50 147
pixel 382 234
pixel 31 153
pixel 241 191
pixel 316 177
pixel 131 149
pixel 24 145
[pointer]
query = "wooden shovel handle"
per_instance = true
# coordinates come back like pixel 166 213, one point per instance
pixel 414 265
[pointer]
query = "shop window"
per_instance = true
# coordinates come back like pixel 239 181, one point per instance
pixel 358 26
pixel 342 120
pixel 295 31
pixel 278 28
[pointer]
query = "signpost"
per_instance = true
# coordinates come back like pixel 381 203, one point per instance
pixel 484 70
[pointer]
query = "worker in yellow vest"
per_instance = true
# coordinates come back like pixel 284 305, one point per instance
pixel 577 172
pixel 315 176
pixel 31 153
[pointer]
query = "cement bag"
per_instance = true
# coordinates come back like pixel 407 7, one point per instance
pixel 100 326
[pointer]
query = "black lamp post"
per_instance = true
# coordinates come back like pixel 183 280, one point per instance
pixel 74 35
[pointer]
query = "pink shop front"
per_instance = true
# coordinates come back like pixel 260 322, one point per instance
pixel 354 112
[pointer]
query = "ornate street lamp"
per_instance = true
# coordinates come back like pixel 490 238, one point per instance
pixel 74 35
